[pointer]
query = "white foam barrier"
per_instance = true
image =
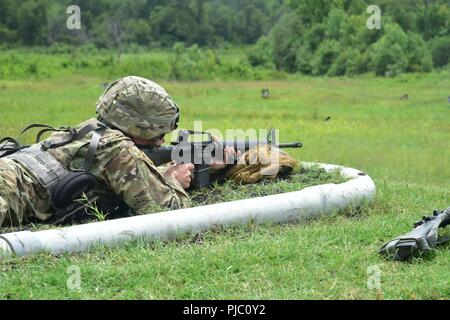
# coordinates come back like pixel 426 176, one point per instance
pixel 164 226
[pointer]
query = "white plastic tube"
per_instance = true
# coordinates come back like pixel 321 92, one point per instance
pixel 281 208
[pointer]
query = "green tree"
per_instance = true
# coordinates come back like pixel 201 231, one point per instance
pixel 403 12
pixel 31 19
pixel 285 39
pixel 335 19
pixel 249 23
pixel 303 59
pixel 311 12
pixel 325 56
pixel 441 51
pixel 139 32
pixel 434 19
pixel 7 35
pixel 220 18
pixel 388 54
pixel 261 54
pixel 419 56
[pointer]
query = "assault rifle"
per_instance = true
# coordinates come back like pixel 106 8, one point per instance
pixel 202 153
pixel 424 237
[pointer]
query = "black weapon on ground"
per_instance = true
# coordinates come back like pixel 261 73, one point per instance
pixel 423 238
pixel 203 152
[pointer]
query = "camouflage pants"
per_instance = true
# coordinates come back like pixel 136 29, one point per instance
pixel 22 199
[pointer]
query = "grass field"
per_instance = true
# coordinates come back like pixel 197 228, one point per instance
pixel 404 145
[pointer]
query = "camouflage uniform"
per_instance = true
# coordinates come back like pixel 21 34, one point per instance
pixel 119 166
pixel 21 198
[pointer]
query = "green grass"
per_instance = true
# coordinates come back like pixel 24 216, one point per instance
pixel 191 64
pixel 402 144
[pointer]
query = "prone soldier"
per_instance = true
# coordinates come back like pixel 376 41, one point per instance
pixel 37 183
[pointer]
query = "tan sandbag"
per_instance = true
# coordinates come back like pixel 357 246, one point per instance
pixel 262 163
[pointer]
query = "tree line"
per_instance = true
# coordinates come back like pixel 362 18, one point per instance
pixel 331 37
pixel 314 37
pixel 162 23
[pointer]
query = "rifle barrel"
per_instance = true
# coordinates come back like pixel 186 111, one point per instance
pixel 251 144
pixel 163 154
pixel 290 145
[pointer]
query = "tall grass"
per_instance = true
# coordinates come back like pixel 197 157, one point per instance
pixel 181 64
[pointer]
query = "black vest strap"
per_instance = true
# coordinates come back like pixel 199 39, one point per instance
pixel 72 135
pixel 8 146
pixel 92 149
pixel 5 141
pixel 35 125
pixel 40 133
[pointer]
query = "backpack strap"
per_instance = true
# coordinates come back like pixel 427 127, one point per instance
pixel 72 135
pixel 52 144
pixel 46 167
pixel 8 146
pixel 92 149
pixel 46 128
pixel 35 125
pixel 8 142
pixel 43 131
pixel 63 185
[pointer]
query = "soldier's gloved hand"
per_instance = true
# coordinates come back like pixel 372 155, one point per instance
pixel 229 154
pixel 182 173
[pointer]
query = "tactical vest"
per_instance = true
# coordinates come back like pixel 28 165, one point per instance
pixel 64 186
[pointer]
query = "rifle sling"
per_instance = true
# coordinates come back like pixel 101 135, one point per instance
pixel 92 149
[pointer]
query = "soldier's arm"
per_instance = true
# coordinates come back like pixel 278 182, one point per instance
pixel 132 176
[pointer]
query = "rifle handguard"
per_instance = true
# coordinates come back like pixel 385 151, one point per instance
pixel 201 153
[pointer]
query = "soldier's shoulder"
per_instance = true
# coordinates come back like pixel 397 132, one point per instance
pixel 112 142
pixel 110 136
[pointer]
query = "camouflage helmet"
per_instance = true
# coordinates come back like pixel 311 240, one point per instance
pixel 138 107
